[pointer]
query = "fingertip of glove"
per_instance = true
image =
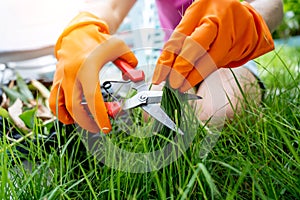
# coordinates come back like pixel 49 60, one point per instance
pixel 60 112
pixel 106 130
pixel 104 125
pixel 65 118
pixel 93 130
pixel 156 80
pixel 89 125
pixel 185 87
pixel 175 79
pixel 161 72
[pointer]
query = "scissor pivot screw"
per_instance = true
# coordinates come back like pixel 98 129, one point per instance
pixel 143 97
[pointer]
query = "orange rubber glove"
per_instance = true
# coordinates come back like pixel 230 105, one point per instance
pixel 211 34
pixel 82 50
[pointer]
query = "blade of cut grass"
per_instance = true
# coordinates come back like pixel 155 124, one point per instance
pixel 226 165
pixel 86 178
pixel 213 189
pixel 191 184
pixel 242 176
pixel 171 105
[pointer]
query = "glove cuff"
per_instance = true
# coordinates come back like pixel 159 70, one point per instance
pixel 82 19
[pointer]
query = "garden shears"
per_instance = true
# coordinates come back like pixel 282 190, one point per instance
pixel 144 98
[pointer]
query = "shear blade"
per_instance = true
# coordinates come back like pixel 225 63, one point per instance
pixel 157 112
pixel 152 97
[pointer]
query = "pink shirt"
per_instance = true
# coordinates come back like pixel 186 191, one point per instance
pixel 170 13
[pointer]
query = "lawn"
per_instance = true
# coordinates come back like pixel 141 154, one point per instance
pixel 257 156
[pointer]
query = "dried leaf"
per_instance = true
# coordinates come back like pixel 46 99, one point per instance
pixel 11 84
pixel 43 112
pixel 4 103
pixel 41 88
pixel 14 111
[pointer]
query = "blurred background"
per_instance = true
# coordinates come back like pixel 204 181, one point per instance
pixel 33 26
pixel 290 25
pixel 30 29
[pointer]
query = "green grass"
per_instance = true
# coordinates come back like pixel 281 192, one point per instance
pixel 256 156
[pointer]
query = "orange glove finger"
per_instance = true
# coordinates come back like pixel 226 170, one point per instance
pixel 167 57
pixel 78 111
pixel 96 107
pixel 203 68
pixel 163 67
pixel 57 99
pixel 193 48
pixel 57 104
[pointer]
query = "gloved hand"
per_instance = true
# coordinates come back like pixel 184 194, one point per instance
pixel 82 50
pixel 211 34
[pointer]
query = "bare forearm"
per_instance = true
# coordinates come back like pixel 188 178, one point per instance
pixel 270 10
pixel 111 11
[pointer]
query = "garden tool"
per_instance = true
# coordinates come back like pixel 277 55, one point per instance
pixel 144 98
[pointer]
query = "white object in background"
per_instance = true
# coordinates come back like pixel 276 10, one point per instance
pixel 29 30
pixel 33 24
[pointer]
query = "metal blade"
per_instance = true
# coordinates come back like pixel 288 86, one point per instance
pixel 140 86
pixel 190 97
pixel 159 114
pixel 152 97
pixel 155 97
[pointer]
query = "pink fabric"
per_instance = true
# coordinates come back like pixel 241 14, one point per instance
pixel 170 13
